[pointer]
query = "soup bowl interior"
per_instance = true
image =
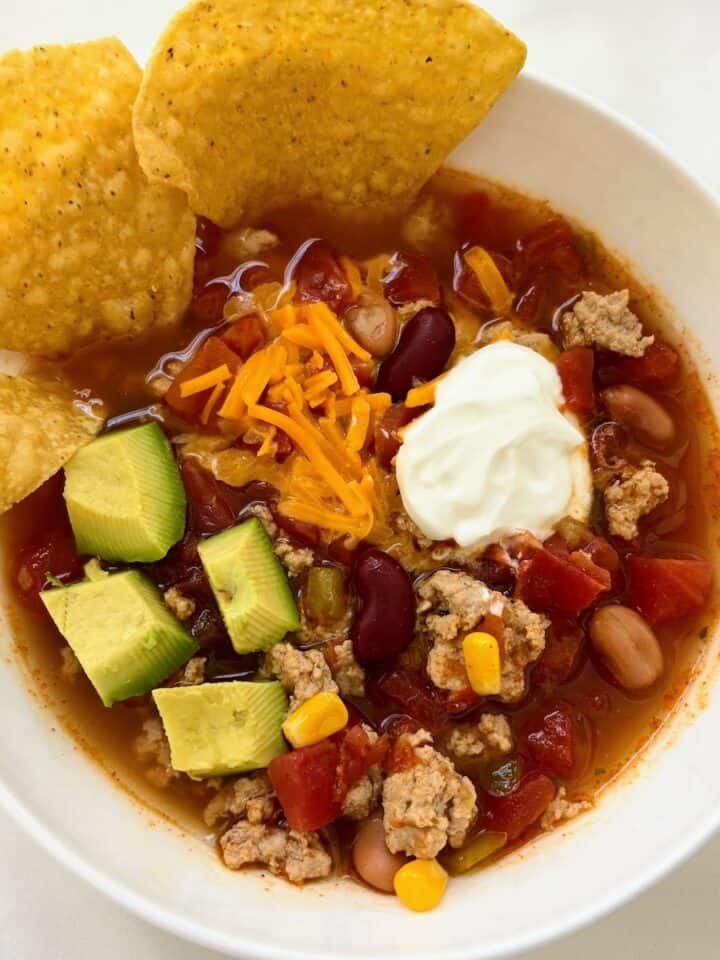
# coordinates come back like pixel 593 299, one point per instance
pixel 597 169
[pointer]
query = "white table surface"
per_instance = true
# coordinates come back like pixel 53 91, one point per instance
pixel 658 62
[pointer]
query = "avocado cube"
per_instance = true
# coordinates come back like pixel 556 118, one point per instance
pixel 250 586
pixel 125 497
pixel 124 636
pixel 219 728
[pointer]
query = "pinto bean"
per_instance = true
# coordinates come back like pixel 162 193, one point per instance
pixel 385 623
pixel 423 350
pixel 371 857
pixel 644 417
pixel 628 645
pixel 373 323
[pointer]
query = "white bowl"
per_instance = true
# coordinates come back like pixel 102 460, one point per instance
pixel 597 168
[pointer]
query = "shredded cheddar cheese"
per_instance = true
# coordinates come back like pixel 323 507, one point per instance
pixel 359 424
pixel 423 395
pixel 338 357
pixel 301 335
pixel 210 403
pixel 304 439
pixel 205 381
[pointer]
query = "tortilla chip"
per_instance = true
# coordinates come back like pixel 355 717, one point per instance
pixel 89 247
pixel 251 105
pixel 39 431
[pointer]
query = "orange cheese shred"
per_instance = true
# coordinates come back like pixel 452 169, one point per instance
pixel 210 402
pixel 339 359
pixel 283 317
pixel 302 336
pixel 318 383
pixel 188 388
pixel 234 406
pixel 324 517
pixel 490 279
pixel 359 423
pixel 379 402
pixel 423 395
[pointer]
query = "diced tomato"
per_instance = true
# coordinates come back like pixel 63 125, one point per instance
pixel 576 373
pixel 558 744
pixel 603 554
pixel 549 248
pixel 551 582
pixel 415 697
pixel 245 335
pixel 584 561
pixel 357 753
pixel 401 755
pixel 667 589
pixel 53 555
pixel 387 431
pixel 563 644
pixel 304 781
pixel 319 275
pixel 213 353
pixel 659 366
pixel 208 510
pixel 514 813
pixel 412 278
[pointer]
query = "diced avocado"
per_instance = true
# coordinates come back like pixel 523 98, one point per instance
pixel 125 497
pixel 124 636
pixel 250 586
pixel 220 728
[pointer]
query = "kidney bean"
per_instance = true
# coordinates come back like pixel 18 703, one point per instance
pixel 371 857
pixel 373 324
pixel 628 645
pixel 385 623
pixel 423 350
pixel 641 414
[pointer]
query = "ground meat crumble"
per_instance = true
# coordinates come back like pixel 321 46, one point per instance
pixel 488 737
pixel 604 321
pixel 348 674
pixel 295 559
pixel 251 797
pixel 193 673
pixel 632 494
pixel 303 673
pixel 183 607
pixel 151 747
pixel 450 604
pixel 299 856
pixel 562 809
pixel 428 805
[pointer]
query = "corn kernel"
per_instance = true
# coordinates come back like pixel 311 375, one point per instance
pixel 420 884
pixel 317 718
pixel 482 662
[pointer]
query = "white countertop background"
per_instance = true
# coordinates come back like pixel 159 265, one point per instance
pixel 657 62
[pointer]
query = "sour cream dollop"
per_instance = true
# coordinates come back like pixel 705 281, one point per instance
pixel 495 454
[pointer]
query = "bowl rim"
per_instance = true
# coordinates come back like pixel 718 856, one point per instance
pixel 178 925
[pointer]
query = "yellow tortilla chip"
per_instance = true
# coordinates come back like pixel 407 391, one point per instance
pixel 39 431
pixel 250 105
pixel 89 247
